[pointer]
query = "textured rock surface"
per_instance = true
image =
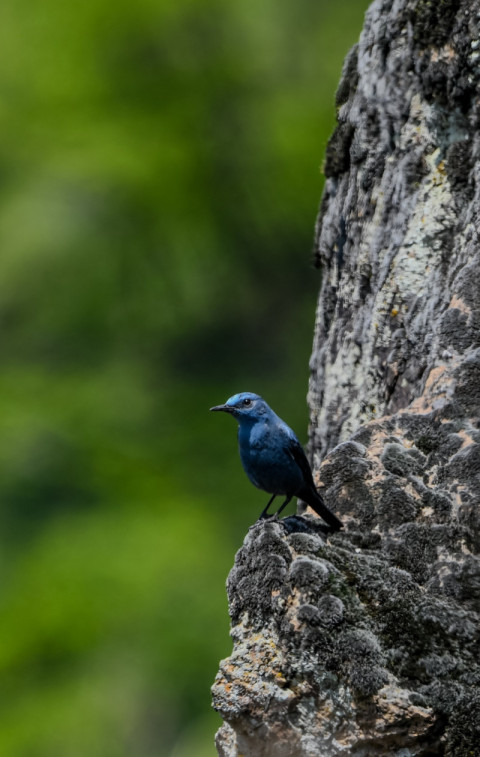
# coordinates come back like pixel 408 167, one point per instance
pixel 398 231
pixel 368 642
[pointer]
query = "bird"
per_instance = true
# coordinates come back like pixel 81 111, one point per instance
pixel 272 457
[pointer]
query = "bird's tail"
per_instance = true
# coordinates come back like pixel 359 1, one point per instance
pixel 314 499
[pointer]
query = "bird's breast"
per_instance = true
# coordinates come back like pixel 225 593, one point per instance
pixel 266 461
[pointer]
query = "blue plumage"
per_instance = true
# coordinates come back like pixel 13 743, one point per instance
pixel 272 456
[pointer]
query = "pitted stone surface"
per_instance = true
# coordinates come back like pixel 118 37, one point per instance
pixel 398 231
pixel 367 643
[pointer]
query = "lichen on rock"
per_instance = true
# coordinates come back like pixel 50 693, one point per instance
pixel 367 642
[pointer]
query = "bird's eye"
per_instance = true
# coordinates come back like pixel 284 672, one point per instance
pixel 246 402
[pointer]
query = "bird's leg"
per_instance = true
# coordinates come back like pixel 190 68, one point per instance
pixel 265 510
pixel 283 505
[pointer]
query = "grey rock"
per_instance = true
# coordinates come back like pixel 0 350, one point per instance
pixel 368 642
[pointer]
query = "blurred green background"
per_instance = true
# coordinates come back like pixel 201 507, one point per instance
pixel 159 179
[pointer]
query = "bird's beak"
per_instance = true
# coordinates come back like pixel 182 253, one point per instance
pixel 224 408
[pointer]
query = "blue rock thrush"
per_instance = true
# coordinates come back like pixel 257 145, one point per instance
pixel 272 456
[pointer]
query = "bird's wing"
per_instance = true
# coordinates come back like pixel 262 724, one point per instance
pixel 295 450
pixel 309 492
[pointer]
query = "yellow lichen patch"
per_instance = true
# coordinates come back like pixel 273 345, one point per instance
pixel 434 377
pixel 293 605
pixel 377 444
pixel 459 304
pixel 410 489
pixel 467 439
pixel 423 405
pixel 445 53
pixel 325 710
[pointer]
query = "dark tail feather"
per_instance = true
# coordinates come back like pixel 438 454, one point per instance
pixel 313 498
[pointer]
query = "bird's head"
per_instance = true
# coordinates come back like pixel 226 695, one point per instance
pixel 243 406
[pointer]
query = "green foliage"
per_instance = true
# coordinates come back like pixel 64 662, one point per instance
pixel 159 184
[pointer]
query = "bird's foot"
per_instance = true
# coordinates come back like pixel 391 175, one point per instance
pixel 267 516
